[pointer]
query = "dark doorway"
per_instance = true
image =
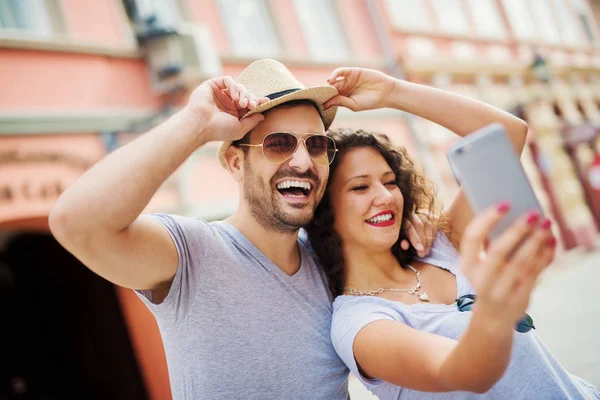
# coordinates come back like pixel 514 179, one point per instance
pixel 62 333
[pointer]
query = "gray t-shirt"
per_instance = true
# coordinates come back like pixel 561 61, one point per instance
pixel 533 372
pixel 235 326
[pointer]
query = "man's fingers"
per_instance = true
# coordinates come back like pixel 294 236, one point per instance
pixel 251 121
pixel 413 237
pixel 423 242
pixel 252 103
pixel 477 231
pixel 417 222
pixel 429 231
pixel 231 86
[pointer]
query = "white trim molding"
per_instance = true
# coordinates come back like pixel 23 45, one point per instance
pixel 63 44
pixel 59 123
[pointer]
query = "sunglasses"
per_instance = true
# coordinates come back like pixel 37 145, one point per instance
pixel 278 147
pixel 465 303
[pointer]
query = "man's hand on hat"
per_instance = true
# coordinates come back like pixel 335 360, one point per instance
pixel 360 89
pixel 220 104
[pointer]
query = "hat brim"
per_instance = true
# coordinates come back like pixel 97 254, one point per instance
pixel 318 95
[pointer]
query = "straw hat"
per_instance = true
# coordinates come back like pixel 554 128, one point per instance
pixel 270 78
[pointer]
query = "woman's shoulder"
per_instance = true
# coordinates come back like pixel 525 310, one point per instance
pixel 352 313
pixel 443 253
pixel 347 309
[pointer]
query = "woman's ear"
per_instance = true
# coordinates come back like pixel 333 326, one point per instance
pixel 235 162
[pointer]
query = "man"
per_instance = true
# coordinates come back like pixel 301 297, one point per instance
pixel 242 307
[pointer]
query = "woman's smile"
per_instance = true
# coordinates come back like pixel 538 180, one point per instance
pixel 382 219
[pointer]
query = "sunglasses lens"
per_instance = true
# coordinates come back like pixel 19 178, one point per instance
pixel 321 149
pixel 278 147
pixel 525 325
pixel 465 303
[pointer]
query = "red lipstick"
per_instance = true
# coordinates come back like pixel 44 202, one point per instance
pixel 382 224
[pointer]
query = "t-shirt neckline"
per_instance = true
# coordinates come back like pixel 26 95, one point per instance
pixel 238 236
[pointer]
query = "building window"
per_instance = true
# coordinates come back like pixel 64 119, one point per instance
pixel 451 16
pixel 409 15
pixel 545 21
pixel 157 13
pixel 520 19
pixel 571 26
pixel 587 23
pixel 319 20
pixel 30 17
pixel 250 27
pixel 486 18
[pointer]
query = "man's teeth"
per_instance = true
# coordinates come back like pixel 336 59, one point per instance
pixel 296 184
pixel 380 218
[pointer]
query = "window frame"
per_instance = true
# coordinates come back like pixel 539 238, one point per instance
pixel 443 30
pixel 55 19
pixel 568 23
pixel 274 52
pixel 537 37
pixel 501 36
pixel 337 21
pixel 585 15
pixel 391 6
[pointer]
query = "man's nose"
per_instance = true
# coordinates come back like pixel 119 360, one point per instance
pixel 301 159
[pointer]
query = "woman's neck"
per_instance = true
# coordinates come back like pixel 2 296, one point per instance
pixel 366 270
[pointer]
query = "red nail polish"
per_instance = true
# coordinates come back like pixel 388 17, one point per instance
pixel 546 224
pixel 504 206
pixel 533 217
pixel 552 242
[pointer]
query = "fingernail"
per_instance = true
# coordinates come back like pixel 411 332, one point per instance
pixel 419 247
pixel 552 242
pixel 504 206
pixel 546 224
pixel 533 217
pixel 253 102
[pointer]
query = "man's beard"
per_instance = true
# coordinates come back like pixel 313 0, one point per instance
pixel 266 207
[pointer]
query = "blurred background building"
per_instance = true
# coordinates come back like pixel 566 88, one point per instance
pixel 80 78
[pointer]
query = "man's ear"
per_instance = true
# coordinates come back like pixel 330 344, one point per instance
pixel 235 162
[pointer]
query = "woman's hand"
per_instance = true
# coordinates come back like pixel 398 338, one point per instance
pixel 420 233
pixel 505 276
pixel 360 89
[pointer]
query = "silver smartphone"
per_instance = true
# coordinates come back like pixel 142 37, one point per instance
pixel 489 171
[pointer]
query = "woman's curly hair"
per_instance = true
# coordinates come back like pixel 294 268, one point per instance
pixel 418 193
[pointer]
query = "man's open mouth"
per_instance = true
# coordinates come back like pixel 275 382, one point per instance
pixel 294 189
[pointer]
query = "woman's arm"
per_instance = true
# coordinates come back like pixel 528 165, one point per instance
pixel 462 115
pixel 503 279
pixel 399 354
pixel 363 89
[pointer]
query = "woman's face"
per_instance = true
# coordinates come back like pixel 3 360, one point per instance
pixel 366 202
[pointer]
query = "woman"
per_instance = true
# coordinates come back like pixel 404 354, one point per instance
pixel 397 323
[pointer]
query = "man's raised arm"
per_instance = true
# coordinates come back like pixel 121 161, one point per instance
pixel 98 219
